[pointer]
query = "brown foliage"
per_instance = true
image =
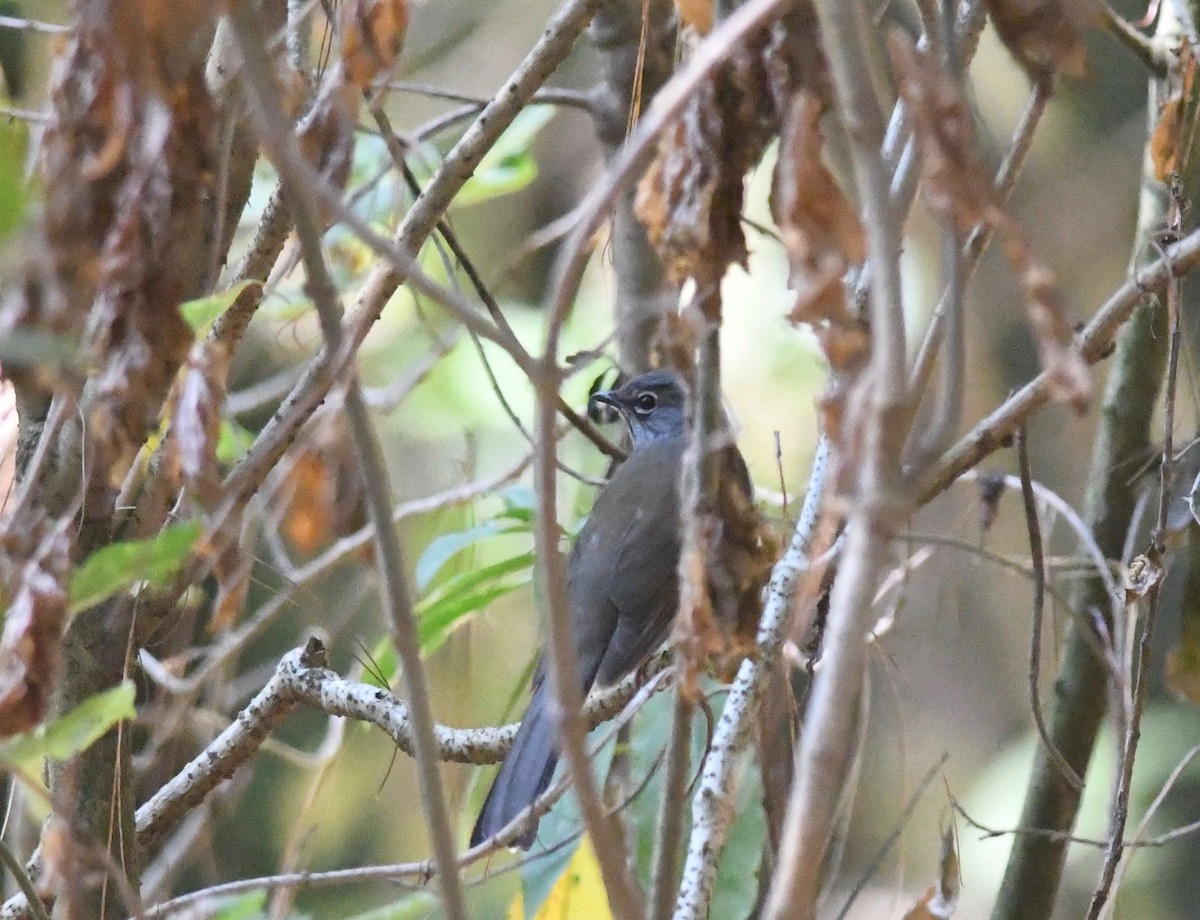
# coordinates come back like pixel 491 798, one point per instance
pixel 1175 132
pixel 691 198
pixel 957 185
pixel 1045 36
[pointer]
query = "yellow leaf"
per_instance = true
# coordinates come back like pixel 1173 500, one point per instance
pixel 577 895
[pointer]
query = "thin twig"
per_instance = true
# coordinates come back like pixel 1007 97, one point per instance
pixel 824 749
pixel 280 142
pixel 1038 561
pixel 1154 563
pixel 1094 343
pixel 711 814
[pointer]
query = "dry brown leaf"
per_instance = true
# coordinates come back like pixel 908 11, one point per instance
pixel 818 224
pixel 1045 36
pixel 1183 669
pixel 325 498
pixel 31 644
pixel 1174 133
pixel 372 37
pixel 691 197
pixel 696 13
pixel 1144 572
pixel 1070 380
pixel 956 181
pixel 233 581
pixel 940 900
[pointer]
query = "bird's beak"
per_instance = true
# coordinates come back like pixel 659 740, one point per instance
pixel 608 397
pixel 612 411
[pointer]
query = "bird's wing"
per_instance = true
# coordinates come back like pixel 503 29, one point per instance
pixel 642 549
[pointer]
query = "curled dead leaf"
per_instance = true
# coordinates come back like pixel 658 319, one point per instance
pixel 372 37
pixel 1145 571
pixel 819 225
pixel 1045 36
pixel 956 181
pixel 196 419
pixel 1174 133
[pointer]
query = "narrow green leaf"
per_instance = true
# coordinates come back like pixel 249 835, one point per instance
pixel 469 580
pixel 115 568
pixel 14 193
pixel 443 548
pixel 437 624
pixel 201 313
pixel 76 731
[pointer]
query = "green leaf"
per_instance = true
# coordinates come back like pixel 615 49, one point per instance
pixel 201 313
pixel 416 906
pixel 115 568
pixel 248 906
pixel 14 193
pixel 76 731
pixel 233 442
pixel 509 166
pixel 436 626
pixel 443 548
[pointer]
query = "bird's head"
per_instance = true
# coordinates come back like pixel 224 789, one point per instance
pixel 652 405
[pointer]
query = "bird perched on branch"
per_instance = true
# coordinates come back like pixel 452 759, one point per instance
pixel 622 585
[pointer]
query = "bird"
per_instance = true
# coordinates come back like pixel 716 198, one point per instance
pixel 622 585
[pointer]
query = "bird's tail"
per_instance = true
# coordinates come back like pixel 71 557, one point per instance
pixel 524 775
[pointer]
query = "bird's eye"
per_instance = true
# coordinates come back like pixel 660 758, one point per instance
pixel 646 402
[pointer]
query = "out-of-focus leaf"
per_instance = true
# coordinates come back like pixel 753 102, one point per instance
pixel 958 185
pixel 1170 142
pixel 248 906
pixel 76 731
pixel 14 195
pixel 577 893
pixel 1045 35
pixel 196 417
pixel 509 166
pixel 445 546
pixel 819 225
pixel 372 36
pixel 325 498
pixel 941 898
pixel 233 442
pixel 415 906
pixel 201 313
pixel 436 626
pixel 115 568
pixel 696 13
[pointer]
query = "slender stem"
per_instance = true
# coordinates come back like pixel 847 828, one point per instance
pixel 824 750
pixel 1037 558
pixel 279 140
pixel 711 811
pixel 1155 564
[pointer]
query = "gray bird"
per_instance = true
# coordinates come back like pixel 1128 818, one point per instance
pixel 622 585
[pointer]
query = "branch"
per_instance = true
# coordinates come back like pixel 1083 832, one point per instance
pixel 279 140
pixel 712 811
